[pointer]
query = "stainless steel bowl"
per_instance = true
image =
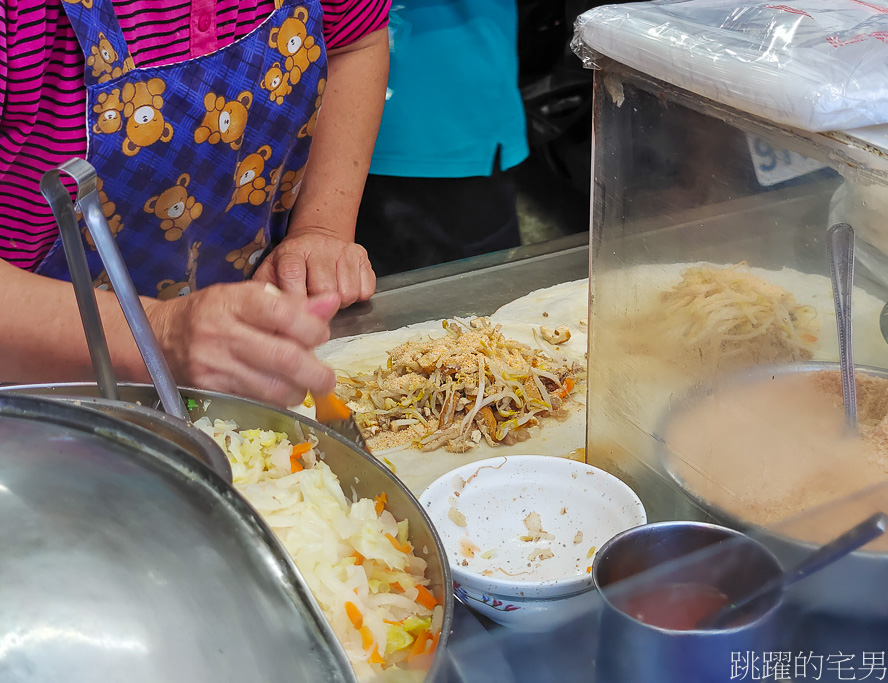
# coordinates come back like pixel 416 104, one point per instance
pixel 182 433
pixel 124 558
pixel 853 586
pixel 357 471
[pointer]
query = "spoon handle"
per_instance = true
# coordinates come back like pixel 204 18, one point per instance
pixel 840 250
pixel 856 537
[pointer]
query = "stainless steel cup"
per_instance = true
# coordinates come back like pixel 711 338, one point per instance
pixel 648 558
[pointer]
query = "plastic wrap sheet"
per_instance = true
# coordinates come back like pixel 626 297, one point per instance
pixel 819 65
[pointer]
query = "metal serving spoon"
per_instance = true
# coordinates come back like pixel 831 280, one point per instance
pixel 840 251
pixel 883 322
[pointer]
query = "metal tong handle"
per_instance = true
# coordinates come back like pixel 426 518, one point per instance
pixel 840 250
pixel 91 207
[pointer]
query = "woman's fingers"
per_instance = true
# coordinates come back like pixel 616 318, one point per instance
pixel 250 340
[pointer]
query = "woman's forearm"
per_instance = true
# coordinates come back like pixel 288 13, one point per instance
pixel 42 338
pixel 348 122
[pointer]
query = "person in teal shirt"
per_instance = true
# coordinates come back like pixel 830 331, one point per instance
pixel 454 122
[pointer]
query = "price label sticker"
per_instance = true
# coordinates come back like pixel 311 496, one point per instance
pixel 773 166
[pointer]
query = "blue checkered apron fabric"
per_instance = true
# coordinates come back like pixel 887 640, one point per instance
pixel 199 161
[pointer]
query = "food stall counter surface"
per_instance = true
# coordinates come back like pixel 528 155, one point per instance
pixel 481 284
pixel 473 286
pixel 478 286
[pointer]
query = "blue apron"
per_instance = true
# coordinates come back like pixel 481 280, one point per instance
pixel 199 161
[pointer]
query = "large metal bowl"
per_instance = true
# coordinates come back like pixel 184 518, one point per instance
pixel 182 433
pixel 357 471
pixel 854 586
pixel 124 558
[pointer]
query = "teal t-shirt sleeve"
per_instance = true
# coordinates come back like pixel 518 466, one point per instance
pixel 454 91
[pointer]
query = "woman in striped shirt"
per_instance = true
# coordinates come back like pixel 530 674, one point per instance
pixel 198 116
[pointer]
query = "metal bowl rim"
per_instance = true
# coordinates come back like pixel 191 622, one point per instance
pixel 439 660
pixel 689 398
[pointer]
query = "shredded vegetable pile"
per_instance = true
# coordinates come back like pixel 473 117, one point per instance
pixel 730 315
pixel 473 384
pixel 354 555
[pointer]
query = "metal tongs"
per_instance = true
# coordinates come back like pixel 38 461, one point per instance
pixel 90 206
pixel 330 410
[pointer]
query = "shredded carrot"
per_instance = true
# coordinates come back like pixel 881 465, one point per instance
pixel 354 615
pixel 298 451
pixel 420 655
pixel 568 387
pixel 329 408
pixel 810 338
pixel 301 449
pixel 396 587
pixel 425 598
pixel 393 623
pixel 589 569
pixel 381 500
pixel 403 547
pixel 366 637
pixel 359 559
pixel 375 657
pixel 419 645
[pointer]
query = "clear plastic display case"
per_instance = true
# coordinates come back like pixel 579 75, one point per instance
pixel 714 387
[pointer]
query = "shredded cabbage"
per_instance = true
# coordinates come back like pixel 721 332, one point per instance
pixel 357 562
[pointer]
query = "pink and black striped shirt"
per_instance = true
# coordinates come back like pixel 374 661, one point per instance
pixel 43 98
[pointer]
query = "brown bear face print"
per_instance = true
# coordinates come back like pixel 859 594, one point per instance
pixel 103 282
pixel 248 180
pixel 290 184
pixel 293 42
pixel 247 257
pixel 309 128
pixel 109 208
pixel 277 83
pixel 145 124
pixel 175 208
pixel 169 289
pixel 101 57
pixel 109 107
pixel 225 120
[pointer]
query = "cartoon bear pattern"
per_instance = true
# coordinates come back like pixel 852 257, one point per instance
pixel 200 161
pixel 247 257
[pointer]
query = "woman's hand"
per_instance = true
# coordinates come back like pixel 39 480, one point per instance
pixel 319 253
pixel 248 340
pixel 317 262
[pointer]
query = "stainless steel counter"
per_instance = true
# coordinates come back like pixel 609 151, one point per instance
pixel 770 230
pixel 474 286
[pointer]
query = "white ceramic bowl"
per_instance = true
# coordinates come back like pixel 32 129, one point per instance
pixel 482 514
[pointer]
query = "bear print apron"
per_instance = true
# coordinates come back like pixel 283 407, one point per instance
pixel 199 162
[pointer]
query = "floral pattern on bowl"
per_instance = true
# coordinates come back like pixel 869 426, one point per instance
pixel 485 599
